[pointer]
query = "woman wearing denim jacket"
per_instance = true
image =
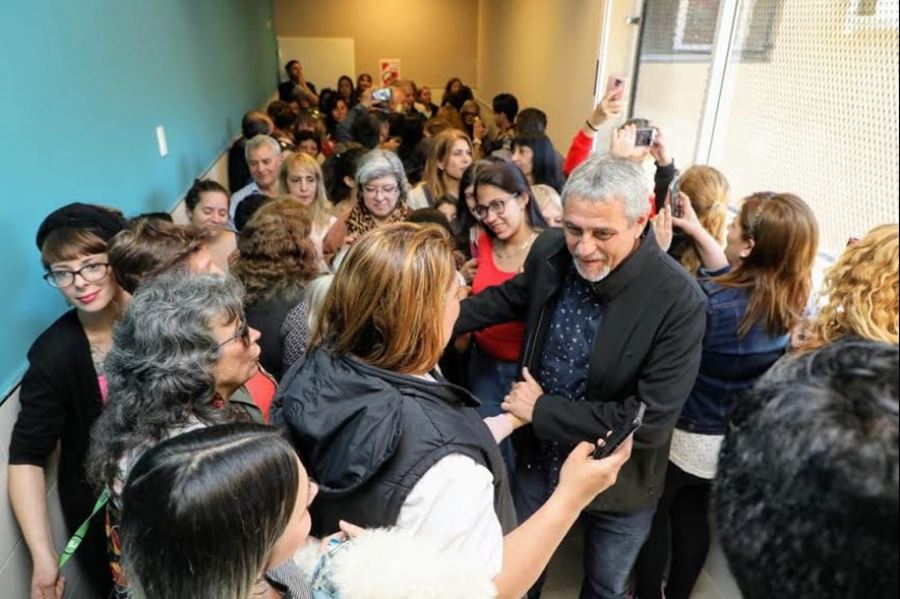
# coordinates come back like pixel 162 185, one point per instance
pixel 757 290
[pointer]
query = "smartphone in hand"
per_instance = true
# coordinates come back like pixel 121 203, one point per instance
pixel 382 94
pixel 616 83
pixel 644 136
pixel 672 196
pixel 618 436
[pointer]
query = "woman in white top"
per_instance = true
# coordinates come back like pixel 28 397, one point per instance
pixel 301 177
pixel 391 442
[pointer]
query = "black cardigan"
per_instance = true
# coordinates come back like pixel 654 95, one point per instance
pixel 60 399
pixel 648 348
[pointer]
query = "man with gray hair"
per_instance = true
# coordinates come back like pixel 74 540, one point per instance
pixel 611 321
pixel 263 156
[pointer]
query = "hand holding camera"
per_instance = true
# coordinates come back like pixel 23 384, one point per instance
pixel 478 128
pixel 382 94
pixel 659 151
pixel 624 143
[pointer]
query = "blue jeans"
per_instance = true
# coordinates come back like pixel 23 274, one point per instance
pixel 612 540
pixel 490 381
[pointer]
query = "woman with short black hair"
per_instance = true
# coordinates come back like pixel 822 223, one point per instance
pixel 537 159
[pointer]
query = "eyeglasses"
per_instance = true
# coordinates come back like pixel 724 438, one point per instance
pixel 495 207
pixel 469 113
pixel 92 273
pixel 243 333
pixel 387 190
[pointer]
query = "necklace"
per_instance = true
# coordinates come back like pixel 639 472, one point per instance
pixel 505 255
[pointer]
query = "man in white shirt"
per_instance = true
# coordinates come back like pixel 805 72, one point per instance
pixel 263 156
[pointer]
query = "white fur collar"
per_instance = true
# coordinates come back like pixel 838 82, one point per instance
pixel 387 563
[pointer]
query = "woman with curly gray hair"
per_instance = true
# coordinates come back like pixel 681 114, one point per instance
pixel 180 355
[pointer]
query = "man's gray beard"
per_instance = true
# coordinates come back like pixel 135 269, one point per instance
pixel 595 279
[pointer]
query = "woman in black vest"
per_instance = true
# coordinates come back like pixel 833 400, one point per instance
pixel 391 442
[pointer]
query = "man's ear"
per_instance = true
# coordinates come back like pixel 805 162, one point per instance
pixel 640 224
pixel 349 182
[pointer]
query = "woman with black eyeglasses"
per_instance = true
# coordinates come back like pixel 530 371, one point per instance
pixel 181 356
pixel 64 390
pixel 510 220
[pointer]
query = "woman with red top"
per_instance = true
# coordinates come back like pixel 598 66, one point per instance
pixel 622 144
pixel 511 221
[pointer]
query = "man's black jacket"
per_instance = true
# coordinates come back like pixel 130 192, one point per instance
pixel 648 348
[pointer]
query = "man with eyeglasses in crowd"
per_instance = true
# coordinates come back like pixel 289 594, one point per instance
pixel 611 321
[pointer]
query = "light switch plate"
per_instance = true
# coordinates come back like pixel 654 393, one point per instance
pixel 161 139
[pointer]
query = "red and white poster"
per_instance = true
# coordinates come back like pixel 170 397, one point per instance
pixel 389 68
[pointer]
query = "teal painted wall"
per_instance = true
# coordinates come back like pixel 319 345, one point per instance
pixel 83 86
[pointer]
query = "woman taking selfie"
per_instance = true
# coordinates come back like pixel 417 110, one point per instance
pixel 757 291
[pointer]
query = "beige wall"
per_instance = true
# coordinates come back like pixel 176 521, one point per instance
pixel 434 39
pixel 544 53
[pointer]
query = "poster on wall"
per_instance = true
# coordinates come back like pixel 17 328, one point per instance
pixel 389 68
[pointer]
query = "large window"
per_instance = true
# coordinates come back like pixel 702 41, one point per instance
pixel 685 30
pixel 817 117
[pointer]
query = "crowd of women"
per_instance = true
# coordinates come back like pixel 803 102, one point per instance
pixel 166 380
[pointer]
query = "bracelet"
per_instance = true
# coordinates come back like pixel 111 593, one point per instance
pixel 590 126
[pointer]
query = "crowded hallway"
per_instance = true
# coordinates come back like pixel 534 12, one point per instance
pixel 452 299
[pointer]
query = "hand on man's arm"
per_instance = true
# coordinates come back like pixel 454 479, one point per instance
pixel 664 383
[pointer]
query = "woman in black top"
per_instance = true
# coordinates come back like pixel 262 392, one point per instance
pixel 276 258
pixel 64 390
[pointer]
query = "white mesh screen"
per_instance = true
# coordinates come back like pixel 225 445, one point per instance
pixel 809 101
pixel 819 116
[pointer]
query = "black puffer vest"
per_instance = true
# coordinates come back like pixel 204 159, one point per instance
pixel 367 435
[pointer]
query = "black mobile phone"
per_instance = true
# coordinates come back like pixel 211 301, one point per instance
pixel 619 435
pixel 674 190
pixel 644 136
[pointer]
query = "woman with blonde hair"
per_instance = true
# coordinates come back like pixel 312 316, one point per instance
pixel 549 203
pixel 862 291
pixel 275 261
pixel 415 454
pixel 707 190
pixel 301 177
pixel 757 290
pixel 450 154
pixel 470 112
